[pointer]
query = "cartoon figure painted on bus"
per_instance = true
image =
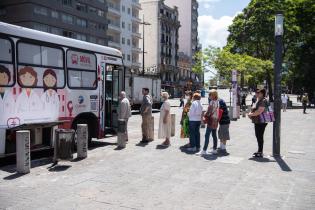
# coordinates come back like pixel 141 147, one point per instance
pixel 50 97
pixel 6 97
pixel 28 103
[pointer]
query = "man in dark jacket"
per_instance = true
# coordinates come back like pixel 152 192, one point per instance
pixel 224 133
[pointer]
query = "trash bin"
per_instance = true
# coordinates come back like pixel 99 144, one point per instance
pixel 63 144
pixel 121 133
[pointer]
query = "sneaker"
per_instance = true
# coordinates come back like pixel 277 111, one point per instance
pixel 214 152
pixel 202 153
pixel 191 149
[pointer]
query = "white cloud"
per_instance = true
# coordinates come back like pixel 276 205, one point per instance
pixel 213 31
pixel 207 1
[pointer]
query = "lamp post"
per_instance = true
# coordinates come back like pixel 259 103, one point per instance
pixel 277 83
pixel 143 23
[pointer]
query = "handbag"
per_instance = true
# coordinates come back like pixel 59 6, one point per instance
pixel 267 117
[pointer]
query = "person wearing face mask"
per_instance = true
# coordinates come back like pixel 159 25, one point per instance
pixel 165 120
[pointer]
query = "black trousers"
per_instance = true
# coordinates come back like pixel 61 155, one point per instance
pixel 259 132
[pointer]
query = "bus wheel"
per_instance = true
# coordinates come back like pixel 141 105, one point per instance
pixel 92 127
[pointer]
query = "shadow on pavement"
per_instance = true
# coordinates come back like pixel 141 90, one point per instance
pixel 97 144
pixel 77 159
pixel 261 159
pixel 184 150
pixel 142 144
pixel 283 165
pixel 161 147
pixel 59 168
pixel 119 148
pixel 13 176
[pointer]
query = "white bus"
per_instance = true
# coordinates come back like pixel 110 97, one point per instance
pixel 49 81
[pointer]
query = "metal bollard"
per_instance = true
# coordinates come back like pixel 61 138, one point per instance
pixel 82 143
pixel 121 134
pixel 23 154
pixel 173 117
pixel 152 129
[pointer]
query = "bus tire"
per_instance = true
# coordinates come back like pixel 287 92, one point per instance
pixel 92 127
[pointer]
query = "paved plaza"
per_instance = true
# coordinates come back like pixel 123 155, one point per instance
pixel 148 177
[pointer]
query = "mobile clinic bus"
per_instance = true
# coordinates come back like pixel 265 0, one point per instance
pixel 48 81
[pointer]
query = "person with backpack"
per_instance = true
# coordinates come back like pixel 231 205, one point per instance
pixel 224 129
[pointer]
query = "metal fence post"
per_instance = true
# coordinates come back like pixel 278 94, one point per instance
pixel 173 117
pixel 23 154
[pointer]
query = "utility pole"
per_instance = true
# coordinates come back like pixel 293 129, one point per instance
pixel 143 23
pixel 277 83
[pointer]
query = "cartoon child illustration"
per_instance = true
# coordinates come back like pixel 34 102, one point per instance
pixel 50 97
pixel 6 97
pixel 28 102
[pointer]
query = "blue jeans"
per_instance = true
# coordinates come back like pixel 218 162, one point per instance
pixel 214 137
pixel 194 133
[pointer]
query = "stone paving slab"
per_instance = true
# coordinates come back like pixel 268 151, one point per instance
pixel 144 177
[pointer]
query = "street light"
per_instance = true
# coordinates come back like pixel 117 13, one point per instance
pixel 143 23
pixel 277 83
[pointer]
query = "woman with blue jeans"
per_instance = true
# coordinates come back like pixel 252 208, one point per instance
pixel 194 115
pixel 211 117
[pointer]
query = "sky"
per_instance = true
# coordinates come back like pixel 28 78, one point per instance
pixel 214 18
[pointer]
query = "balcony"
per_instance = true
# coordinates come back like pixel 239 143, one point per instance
pixel 114 44
pixel 136 19
pixel 114 10
pixel 136 49
pixel 136 4
pixel 136 64
pixel 114 27
pixel 136 34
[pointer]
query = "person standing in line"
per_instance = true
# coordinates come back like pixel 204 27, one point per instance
pixel 304 102
pixel 194 115
pixel 212 118
pixel 146 113
pixel 224 133
pixel 184 132
pixel 165 120
pixel 181 102
pixel 259 108
pixel 284 100
pixel 124 111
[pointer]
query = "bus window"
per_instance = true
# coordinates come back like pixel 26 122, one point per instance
pixel 42 61
pixel 6 64
pixel 81 70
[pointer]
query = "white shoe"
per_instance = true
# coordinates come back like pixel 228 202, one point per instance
pixel 202 153
pixel 192 149
pixel 214 152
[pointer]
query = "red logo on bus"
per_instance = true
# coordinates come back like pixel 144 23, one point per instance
pixel 74 59
pixel 85 59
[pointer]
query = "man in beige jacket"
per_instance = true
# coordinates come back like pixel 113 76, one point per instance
pixel 124 111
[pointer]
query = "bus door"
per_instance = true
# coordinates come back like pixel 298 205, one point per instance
pixel 113 86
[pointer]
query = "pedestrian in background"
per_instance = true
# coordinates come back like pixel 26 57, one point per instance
pixel 124 111
pixel 212 119
pixel 146 114
pixel 284 100
pixel 304 102
pixel 181 102
pixel 184 132
pixel 194 115
pixel 224 129
pixel 165 120
pixel 260 107
pixel 254 99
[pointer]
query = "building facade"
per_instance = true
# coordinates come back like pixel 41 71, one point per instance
pixel 161 41
pixel 123 30
pixel 78 19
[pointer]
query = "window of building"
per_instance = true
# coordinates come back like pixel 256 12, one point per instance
pixel 92 10
pixel 93 25
pixel 67 18
pixel 128 42
pixel 101 1
pixel 129 27
pixel 124 56
pixel 92 39
pixel 101 41
pixel 81 37
pixel 81 7
pixel 67 34
pixel 123 24
pixel 54 14
pixel 6 62
pixel 123 40
pixel 129 11
pixel 3 12
pixel 39 58
pixel 54 30
pixel 81 22
pixel 40 11
pixel 81 70
pixel 41 27
pixel 128 57
pixel 161 11
pixel 67 2
pixel 123 8
pixel 101 13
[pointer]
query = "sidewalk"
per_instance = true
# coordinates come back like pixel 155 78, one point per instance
pixel 144 177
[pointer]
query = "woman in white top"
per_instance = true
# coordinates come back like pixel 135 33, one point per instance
pixel 195 115
pixel 165 120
